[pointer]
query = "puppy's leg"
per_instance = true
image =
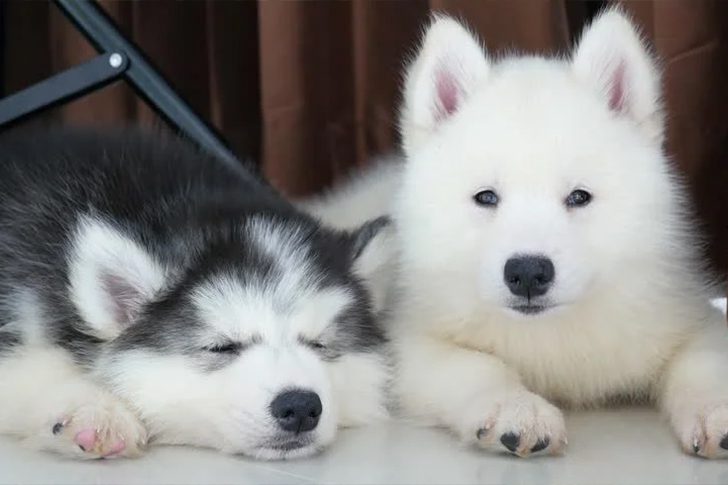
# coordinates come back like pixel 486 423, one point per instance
pixel 477 396
pixel 695 393
pixel 50 405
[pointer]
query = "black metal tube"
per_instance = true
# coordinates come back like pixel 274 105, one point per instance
pixel 62 87
pixel 100 30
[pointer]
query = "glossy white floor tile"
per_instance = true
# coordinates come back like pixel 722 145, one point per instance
pixel 631 446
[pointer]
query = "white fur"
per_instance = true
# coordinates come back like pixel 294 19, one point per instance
pixel 361 197
pixel 629 312
pixel 364 198
pixel 101 251
pixel 172 396
pixel 610 51
pixel 357 380
pixel 48 389
pixel 440 81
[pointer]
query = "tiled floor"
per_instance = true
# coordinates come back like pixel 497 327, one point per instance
pixel 633 446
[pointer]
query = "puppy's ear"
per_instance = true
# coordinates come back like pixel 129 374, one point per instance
pixel 111 278
pixel 449 65
pixel 373 253
pixel 614 61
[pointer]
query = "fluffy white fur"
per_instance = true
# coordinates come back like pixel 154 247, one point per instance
pixel 49 389
pixel 628 313
pixel 110 277
pixel 171 397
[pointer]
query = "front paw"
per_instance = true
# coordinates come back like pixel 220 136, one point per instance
pixel 520 423
pixel 704 431
pixel 104 428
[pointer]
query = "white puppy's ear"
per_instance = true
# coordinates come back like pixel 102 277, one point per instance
pixel 111 277
pixel 449 65
pixel 373 252
pixel 612 58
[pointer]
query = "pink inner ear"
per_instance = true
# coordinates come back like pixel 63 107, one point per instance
pixel 448 93
pixel 617 91
pixel 125 297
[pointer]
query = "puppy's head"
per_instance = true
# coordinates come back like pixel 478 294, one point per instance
pixel 262 342
pixel 533 182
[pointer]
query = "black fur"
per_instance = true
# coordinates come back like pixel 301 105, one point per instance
pixel 186 208
pixel 8 341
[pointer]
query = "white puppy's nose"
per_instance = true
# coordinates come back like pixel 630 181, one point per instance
pixel 297 410
pixel 529 276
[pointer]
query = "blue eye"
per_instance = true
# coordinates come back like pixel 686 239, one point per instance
pixel 578 198
pixel 486 198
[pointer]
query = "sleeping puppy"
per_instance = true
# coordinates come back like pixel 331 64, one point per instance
pixel 150 293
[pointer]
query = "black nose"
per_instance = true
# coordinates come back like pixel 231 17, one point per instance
pixel 529 276
pixel 296 410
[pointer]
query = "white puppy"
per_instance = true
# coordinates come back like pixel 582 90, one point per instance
pixel 546 251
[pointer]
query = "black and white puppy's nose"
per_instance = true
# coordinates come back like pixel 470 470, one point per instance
pixel 297 410
pixel 529 276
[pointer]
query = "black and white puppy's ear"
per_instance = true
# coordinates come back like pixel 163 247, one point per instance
pixel 373 253
pixel 614 61
pixel 111 278
pixel 448 67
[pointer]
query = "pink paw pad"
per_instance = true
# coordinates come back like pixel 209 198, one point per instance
pixel 85 439
pixel 88 440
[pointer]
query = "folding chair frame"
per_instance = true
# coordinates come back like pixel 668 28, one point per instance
pixel 119 59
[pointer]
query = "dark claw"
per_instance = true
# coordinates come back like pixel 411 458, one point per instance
pixel 696 447
pixel 510 441
pixel 481 433
pixel 82 448
pixel 540 445
pixel 57 428
pixel 724 442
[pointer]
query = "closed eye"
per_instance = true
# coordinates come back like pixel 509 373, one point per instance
pixel 226 348
pixel 312 343
pixel 232 347
pixel 326 350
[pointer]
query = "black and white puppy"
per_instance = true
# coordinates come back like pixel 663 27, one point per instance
pixel 148 292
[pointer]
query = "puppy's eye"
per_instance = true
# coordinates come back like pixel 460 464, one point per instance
pixel 232 347
pixel 578 198
pixel 486 198
pixel 316 345
pixel 226 348
pixel 313 344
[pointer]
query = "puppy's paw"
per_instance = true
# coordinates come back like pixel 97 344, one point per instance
pixel 704 432
pixel 521 423
pixel 104 428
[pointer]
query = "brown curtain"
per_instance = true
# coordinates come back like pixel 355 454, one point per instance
pixel 310 89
